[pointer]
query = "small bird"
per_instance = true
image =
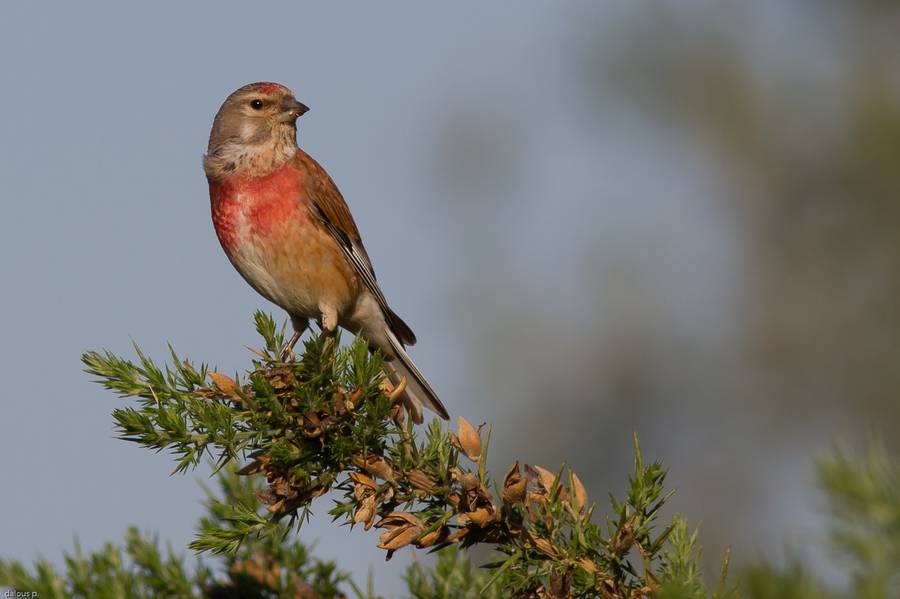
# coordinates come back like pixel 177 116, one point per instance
pixel 288 231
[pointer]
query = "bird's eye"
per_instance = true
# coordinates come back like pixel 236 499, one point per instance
pixel 256 104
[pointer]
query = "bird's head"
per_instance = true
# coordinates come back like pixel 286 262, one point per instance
pixel 257 118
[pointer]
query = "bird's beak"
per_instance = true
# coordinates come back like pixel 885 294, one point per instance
pixel 291 110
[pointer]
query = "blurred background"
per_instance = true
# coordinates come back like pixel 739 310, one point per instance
pixel 598 217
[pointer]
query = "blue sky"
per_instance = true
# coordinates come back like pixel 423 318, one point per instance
pixel 533 233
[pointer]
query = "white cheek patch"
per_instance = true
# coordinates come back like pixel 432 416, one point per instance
pixel 247 130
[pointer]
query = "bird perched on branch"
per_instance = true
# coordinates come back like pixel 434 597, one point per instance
pixel 288 231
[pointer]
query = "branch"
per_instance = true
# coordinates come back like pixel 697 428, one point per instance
pixel 328 421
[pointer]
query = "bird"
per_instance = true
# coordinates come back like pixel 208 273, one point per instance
pixel 288 231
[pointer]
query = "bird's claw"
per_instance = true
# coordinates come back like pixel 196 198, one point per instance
pixel 288 351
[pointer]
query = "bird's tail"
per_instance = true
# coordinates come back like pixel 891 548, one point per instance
pixel 418 393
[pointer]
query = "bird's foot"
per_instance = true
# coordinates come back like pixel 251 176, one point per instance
pixel 288 351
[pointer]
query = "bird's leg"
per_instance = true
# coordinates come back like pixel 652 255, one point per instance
pixel 289 348
pixel 328 321
pixel 300 325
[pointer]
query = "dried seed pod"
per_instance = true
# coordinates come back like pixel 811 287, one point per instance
pixel 578 491
pixel 256 465
pixel 302 498
pixel 402 529
pixel 361 479
pixel 514 485
pixel 544 546
pixel 282 379
pixel 365 512
pixel 544 477
pixel 355 397
pixel 469 440
pixel 588 566
pixel 226 384
pixel 431 538
pixel 282 487
pixel 312 425
pixel 420 480
pixel 456 536
pixel 376 466
pixel 625 537
pixel 400 537
pixel 482 516
pixel 468 480
pixel 398 519
pixel 266 496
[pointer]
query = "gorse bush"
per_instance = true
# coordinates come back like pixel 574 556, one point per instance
pixel 286 432
pixel 274 566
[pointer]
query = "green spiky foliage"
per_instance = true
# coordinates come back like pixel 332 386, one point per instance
pixel 863 497
pixel 328 421
pixel 286 432
pixel 138 568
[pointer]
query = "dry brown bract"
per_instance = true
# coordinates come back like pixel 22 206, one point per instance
pixel 468 440
pixel 479 517
pixel 226 385
pixel 402 529
pixel 514 485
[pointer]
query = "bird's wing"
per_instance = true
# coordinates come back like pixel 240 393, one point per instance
pixel 329 208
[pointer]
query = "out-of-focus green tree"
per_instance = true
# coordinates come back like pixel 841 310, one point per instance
pixel 801 107
pixel 788 117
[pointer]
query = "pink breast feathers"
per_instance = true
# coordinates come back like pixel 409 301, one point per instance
pixel 246 209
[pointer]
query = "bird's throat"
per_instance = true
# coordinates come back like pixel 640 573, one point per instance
pixel 232 158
